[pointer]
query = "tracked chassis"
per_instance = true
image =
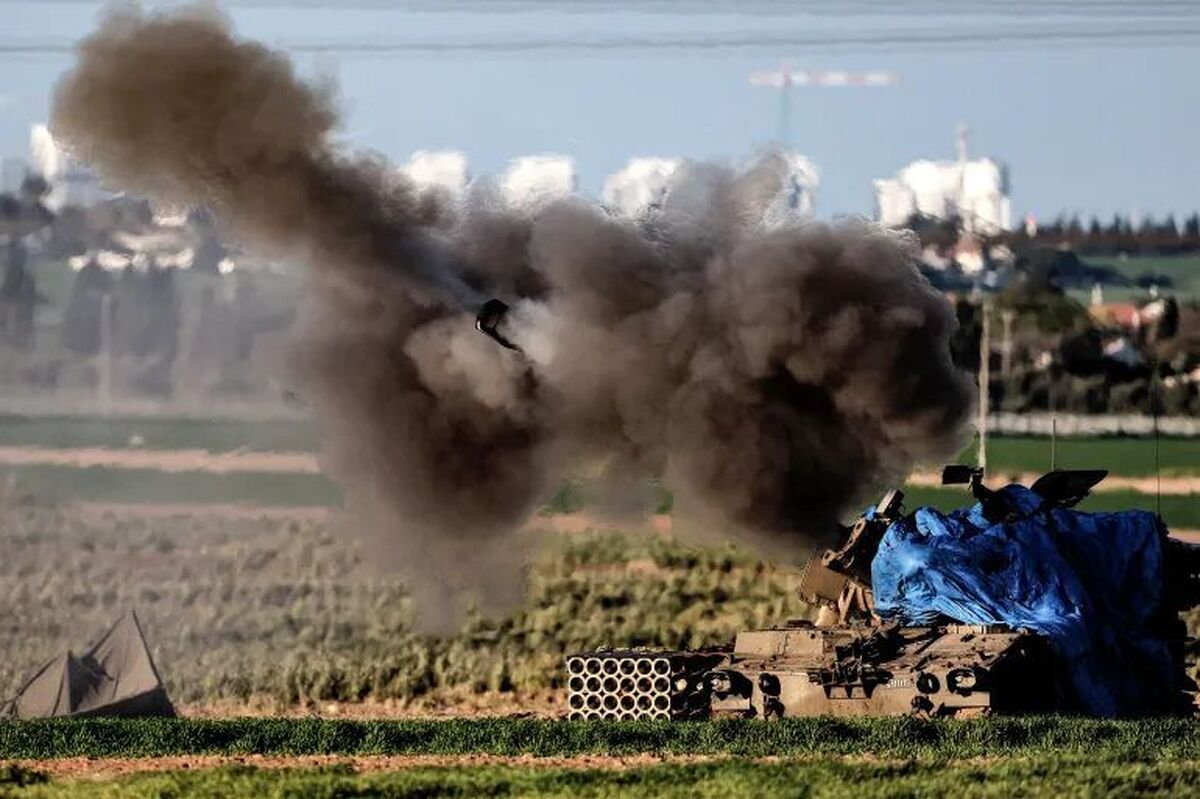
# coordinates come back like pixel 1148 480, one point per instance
pixel 849 662
pixel 803 670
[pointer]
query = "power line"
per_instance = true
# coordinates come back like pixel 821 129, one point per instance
pixel 761 7
pixel 893 38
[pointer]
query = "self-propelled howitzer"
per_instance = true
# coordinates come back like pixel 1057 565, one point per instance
pixel 1017 604
pixel 851 661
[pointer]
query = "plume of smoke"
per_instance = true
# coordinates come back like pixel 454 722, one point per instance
pixel 769 372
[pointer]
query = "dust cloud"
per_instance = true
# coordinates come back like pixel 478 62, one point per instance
pixel 771 372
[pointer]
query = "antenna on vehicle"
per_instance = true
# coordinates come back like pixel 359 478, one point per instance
pixel 1053 440
pixel 985 352
pixel 1154 400
pixel 1053 404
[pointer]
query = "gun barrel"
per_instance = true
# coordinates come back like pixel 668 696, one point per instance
pixel 490 322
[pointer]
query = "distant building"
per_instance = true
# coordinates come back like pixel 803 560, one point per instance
pixel 438 169
pixel 533 180
pixel 799 192
pixel 640 185
pixel 975 190
pixel 644 183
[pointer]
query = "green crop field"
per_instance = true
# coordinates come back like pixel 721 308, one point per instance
pixel 822 778
pixel 901 737
pixel 214 435
pixel 1127 457
pixel 821 757
pixel 1182 270
pixel 1180 511
pixel 1130 457
pixel 53 484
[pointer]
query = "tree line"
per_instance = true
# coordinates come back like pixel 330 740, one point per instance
pixel 1120 235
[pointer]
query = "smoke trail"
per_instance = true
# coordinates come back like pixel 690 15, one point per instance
pixel 769 373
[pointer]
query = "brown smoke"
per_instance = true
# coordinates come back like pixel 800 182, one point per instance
pixel 770 373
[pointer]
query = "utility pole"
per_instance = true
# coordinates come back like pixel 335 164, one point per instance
pixel 783 79
pixel 1006 346
pixel 106 354
pixel 984 379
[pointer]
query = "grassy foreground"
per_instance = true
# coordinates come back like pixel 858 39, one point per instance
pixel 822 757
pixel 1144 741
pixel 817 778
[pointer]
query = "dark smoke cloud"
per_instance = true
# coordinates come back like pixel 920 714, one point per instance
pixel 770 373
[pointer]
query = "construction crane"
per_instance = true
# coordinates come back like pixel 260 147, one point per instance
pixel 783 79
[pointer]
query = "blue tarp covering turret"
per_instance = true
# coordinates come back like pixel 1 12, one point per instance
pixel 1094 584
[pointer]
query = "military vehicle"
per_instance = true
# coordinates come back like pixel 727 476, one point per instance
pixel 848 661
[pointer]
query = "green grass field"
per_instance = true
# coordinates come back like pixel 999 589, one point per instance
pixel 214 435
pixel 1183 271
pixel 820 757
pixel 1130 457
pixel 53 484
pixel 820 778
pixel 902 737
pixel 1127 457
pixel 1180 511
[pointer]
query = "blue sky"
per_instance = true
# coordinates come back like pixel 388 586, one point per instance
pixel 1093 104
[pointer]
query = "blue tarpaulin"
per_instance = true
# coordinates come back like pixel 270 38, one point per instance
pixel 1091 583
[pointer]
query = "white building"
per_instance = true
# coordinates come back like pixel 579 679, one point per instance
pixel 533 180
pixel 644 183
pixel 976 190
pixel 438 169
pixel 640 185
pixel 799 192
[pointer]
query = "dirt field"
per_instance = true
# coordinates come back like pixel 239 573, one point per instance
pixel 239 461
pixel 568 523
pixel 104 768
pixel 179 460
pixel 226 510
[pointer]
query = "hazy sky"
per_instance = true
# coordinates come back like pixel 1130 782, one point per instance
pixel 1093 104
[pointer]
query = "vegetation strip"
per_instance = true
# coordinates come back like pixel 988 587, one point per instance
pixel 884 737
pixel 163 460
pixel 159 433
pixel 52 483
pixel 820 778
